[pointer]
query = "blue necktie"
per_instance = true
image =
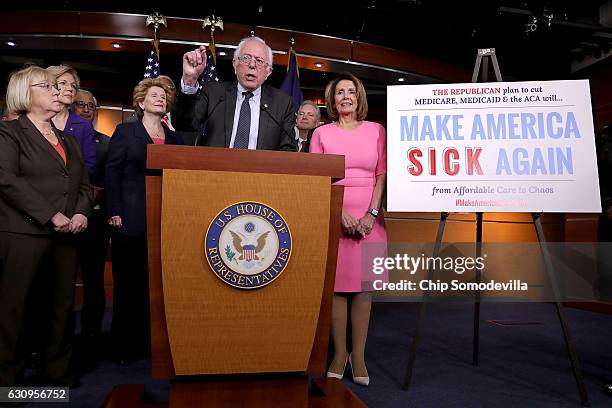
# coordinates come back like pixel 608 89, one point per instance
pixel 244 123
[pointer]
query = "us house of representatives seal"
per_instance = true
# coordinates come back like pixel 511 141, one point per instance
pixel 248 245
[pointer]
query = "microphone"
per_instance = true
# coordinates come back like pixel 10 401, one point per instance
pixel 264 107
pixel 203 127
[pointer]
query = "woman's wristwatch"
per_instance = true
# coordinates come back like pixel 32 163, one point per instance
pixel 373 212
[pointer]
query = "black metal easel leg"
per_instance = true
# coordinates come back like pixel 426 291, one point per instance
pixel 421 318
pixel 476 343
pixel 569 342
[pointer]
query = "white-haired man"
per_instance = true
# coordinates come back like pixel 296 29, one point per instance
pixel 308 117
pixel 245 114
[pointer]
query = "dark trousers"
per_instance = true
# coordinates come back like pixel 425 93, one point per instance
pixel 130 328
pixel 50 260
pixel 92 257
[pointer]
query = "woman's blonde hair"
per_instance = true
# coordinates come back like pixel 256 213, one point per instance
pixel 140 92
pixel 59 70
pixel 362 100
pixel 19 89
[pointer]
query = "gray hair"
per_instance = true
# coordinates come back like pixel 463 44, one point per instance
pixel 259 40
pixel 314 105
pixel 86 92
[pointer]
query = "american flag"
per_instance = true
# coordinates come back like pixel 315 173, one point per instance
pixel 210 72
pixel 152 70
pixel 152 65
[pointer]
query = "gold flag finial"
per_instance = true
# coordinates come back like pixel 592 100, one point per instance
pixel 156 19
pixel 214 22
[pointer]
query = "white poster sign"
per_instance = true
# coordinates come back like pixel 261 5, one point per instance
pixel 491 147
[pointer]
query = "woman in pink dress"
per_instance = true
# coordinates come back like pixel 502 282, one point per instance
pixel 363 144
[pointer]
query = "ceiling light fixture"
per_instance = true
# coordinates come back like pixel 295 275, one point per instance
pixel 318 64
pixel 401 79
pixel 11 43
pixel 222 53
pixel 116 45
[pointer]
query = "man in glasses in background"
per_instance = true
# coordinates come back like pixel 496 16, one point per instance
pixel 243 115
pixel 85 106
pixel 94 246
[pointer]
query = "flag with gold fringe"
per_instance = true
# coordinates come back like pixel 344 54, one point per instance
pixel 291 83
pixel 210 72
pixel 153 70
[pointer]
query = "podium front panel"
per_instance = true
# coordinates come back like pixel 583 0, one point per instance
pixel 231 323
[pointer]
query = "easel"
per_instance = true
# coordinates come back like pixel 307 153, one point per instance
pixel 483 59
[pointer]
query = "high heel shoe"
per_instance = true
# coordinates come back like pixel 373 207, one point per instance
pixel 364 381
pixel 331 374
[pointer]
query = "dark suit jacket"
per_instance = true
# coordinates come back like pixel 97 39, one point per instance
pixel 102 142
pixel 125 175
pixel 35 184
pixel 191 112
pixel 306 144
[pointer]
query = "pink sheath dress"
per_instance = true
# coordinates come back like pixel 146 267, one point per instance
pixel 365 152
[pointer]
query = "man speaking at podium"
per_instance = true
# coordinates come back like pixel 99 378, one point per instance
pixel 241 115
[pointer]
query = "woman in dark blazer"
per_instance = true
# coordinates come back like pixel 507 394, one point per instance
pixel 126 207
pixel 45 198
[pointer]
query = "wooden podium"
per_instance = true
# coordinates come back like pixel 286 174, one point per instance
pixel 223 346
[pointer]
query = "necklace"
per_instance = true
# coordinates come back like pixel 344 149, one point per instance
pixel 155 133
pixel 47 132
pixel 45 128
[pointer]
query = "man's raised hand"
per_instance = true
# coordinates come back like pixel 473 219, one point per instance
pixel 194 63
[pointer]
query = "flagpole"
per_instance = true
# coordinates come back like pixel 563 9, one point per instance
pixel 156 19
pixel 214 22
pixel 153 69
pixel 210 72
pixel 291 83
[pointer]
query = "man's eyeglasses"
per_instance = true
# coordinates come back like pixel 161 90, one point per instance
pixel 82 105
pixel 66 84
pixel 309 114
pixel 246 60
pixel 46 85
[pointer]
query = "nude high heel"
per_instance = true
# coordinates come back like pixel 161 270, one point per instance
pixel 331 374
pixel 364 381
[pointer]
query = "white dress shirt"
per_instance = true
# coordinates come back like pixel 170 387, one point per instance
pixel 299 142
pixel 254 103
